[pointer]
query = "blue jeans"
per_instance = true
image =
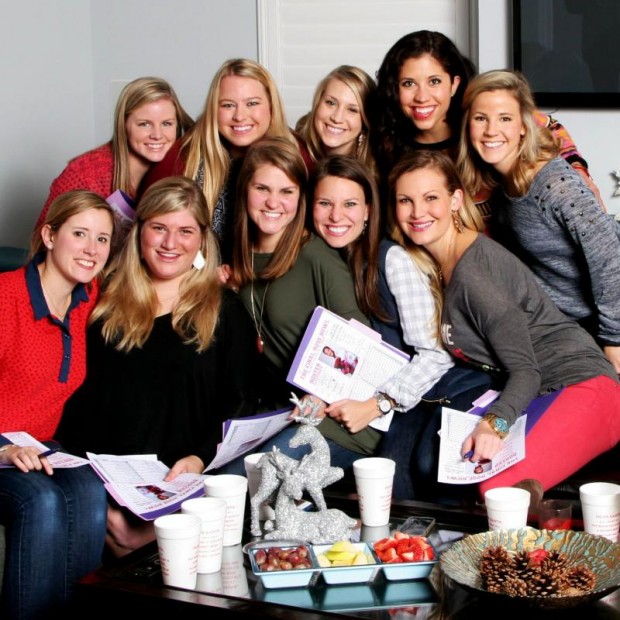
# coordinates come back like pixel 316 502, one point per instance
pixel 340 457
pixel 412 440
pixel 55 533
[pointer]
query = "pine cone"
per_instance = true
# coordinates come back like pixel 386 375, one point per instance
pixel 515 586
pixel 495 566
pixel 521 561
pixel 556 560
pixel 580 577
pixel 544 583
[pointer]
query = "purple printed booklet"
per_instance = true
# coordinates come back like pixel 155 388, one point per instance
pixel 242 435
pixel 457 425
pixel 344 359
pixel 137 482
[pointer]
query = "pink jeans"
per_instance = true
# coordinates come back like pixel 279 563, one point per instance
pixel 580 424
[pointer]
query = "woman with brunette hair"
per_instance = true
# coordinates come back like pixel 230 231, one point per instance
pixel 164 341
pixel 420 86
pixel 284 272
pixel 392 289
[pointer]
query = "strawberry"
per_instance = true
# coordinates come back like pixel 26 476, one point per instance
pixel 537 556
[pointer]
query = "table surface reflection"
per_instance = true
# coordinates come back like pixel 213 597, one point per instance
pixel 135 583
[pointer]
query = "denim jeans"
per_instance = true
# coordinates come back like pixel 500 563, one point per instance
pixel 412 440
pixel 340 457
pixel 55 533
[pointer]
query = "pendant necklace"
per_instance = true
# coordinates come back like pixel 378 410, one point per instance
pixel 52 306
pixel 258 323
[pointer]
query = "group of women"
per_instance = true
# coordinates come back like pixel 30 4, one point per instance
pixel 390 203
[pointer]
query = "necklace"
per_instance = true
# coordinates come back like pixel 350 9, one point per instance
pixel 52 305
pixel 258 323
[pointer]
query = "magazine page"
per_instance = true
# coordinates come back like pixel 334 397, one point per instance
pixel 343 359
pixel 137 482
pixel 59 460
pixel 242 435
pixel 455 427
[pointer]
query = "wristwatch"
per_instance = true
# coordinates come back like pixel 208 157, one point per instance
pixel 498 425
pixel 384 404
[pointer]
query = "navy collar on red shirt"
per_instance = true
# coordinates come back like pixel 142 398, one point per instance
pixel 35 291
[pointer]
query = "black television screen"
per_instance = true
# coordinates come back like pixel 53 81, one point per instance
pixel 569 50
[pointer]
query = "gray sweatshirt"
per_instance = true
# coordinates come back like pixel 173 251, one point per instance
pixel 496 315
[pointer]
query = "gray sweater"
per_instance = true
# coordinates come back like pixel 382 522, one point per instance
pixel 496 315
pixel 559 230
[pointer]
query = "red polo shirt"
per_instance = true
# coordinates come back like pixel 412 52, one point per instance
pixel 42 360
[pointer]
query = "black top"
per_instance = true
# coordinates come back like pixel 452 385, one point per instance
pixel 163 398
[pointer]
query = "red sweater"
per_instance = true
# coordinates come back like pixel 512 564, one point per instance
pixel 92 171
pixel 42 361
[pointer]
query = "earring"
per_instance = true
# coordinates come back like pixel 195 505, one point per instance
pixel 50 246
pixel 458 222
pixel 360 142
pixel 365 226
pixel 199 261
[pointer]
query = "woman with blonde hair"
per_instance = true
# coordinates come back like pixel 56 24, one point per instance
pixel 54 517
pixel 338 122
pixel 170 352
pixel 495 317
pixel 147 120
pixel 243 105
pixel 546 214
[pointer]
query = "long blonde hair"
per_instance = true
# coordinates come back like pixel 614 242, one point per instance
pixel 134 95
pixel 203 144
pixel 282 154
pixel 364 88
pixel 469 214
pixel 538 144
pixel 128 305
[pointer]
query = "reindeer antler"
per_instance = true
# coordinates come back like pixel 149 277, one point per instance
pixel 312 417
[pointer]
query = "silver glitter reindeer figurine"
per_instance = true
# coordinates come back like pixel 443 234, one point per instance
pixel 285 479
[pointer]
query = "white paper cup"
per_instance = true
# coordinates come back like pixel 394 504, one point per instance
pixel 234 575
pixel 178 537
pixel 253 474
pixel 212 513
pixel 210 583
pixel 232 489
pixel 507 507
pixel 600 507
pixel 374 477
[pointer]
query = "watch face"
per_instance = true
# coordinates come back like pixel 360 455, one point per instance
pixel 501 425
pixel 384 405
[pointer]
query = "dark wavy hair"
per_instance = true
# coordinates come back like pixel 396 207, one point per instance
pixel 391 130
pixel 362 253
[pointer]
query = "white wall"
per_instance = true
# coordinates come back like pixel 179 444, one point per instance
pixel 594 131
pixel 64 63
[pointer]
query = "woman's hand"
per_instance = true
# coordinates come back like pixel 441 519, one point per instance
pixel 613 355
pixel 123 537
pixel 354 415
pixel 191 464
pixel 26 459
pixel 311 405
pixel 483 442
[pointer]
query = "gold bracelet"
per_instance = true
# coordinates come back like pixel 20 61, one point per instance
pixel 5 447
